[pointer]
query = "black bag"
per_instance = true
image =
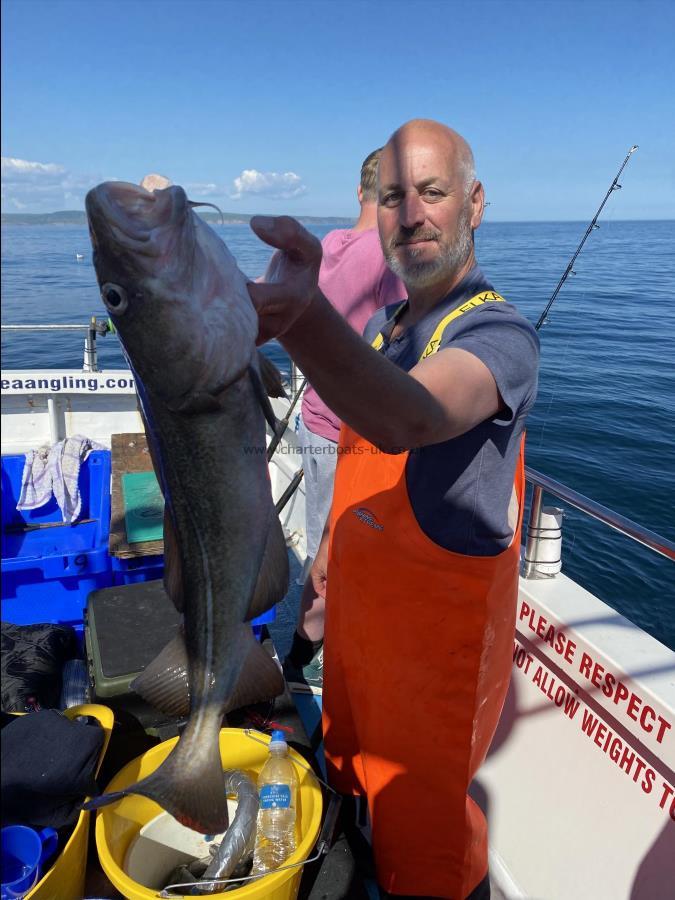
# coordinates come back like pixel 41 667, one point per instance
pixel 48 765
pixel 33 657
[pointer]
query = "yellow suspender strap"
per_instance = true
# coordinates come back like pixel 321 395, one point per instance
pixel 435 340
pixel 478 300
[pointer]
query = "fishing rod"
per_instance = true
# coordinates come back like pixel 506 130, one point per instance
pixel 283 424
pixel 281 428
pixel 290 490
pixel 276 437
pixel 614 186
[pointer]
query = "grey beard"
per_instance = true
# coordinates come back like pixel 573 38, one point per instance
pixel 449 260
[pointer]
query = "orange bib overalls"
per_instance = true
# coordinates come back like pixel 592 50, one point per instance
pixel 417 660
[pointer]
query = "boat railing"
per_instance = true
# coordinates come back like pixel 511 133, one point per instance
pixel 296 379
pixel 537 533
pixel 92 330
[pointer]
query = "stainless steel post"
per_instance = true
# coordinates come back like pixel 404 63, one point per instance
pixel 53 413
pixel 90 361
pixel 533 532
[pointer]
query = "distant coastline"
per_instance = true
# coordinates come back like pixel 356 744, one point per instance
pixel 78 217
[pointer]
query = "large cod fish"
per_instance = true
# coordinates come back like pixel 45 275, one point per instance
pixel 188 328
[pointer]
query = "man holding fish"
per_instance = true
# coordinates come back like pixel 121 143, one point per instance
pixel 419 563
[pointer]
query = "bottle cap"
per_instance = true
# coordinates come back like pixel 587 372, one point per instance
pixel 278 737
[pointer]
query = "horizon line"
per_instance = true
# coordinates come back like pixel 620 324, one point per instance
pixel 245 216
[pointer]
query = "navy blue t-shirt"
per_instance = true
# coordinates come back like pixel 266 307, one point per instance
pixel 461 490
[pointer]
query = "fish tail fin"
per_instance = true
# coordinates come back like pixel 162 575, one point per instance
pixel 189 784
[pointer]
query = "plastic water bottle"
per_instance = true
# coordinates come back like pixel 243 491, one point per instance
pixel 278 792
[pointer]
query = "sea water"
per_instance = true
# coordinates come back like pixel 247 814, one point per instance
pixel 604 422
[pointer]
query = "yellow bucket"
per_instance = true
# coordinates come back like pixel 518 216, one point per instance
pixel 119 824
pixel 65 879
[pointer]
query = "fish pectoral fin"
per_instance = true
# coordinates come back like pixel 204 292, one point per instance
pixel 164 681
pixel 260 677
pixel 270 376
pixel 189 784
pixel 263 399
pixel 272 583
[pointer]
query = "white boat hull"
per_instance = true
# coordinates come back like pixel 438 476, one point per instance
pixel 578 788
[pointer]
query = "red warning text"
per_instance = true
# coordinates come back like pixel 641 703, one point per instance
pixel 625 699
pixel 549 634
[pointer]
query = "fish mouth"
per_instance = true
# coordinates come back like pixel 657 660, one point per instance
pixel 134 217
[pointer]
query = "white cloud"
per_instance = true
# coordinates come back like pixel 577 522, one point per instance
pixel 42 187
pixel 201 189
pixel 21 169
pixel 272 185
pixel 31 186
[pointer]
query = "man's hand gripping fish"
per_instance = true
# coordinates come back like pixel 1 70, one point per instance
pixel 188 328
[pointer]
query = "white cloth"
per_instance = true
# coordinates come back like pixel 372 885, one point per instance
pixel 54 471
pixel 36 481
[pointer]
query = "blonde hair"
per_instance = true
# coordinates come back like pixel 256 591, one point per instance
pixel 369 175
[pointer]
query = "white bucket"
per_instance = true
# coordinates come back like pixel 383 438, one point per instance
pixel 162 844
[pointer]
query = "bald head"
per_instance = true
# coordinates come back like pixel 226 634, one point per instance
pixel 455 149
pixel 429 204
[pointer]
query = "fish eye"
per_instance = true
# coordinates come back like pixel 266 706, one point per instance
pixel 115 298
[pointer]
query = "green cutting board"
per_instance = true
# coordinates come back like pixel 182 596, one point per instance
pixel 143 507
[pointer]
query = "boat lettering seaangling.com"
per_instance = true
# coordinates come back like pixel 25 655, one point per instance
pixel 188 328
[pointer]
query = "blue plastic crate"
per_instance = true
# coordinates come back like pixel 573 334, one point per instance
pixel 137 569
pixel 48 573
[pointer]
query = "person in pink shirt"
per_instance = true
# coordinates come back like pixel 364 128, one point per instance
pixel 357 281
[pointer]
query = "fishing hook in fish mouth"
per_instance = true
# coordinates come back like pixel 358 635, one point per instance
pixel 194 203
pixel 152 183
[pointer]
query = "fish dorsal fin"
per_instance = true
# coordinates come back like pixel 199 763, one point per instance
pixel 262 398
pixel 272 583
pixel 270 376
pixel 164 681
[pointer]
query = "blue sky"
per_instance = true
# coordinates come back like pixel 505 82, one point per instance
pixel 272 106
